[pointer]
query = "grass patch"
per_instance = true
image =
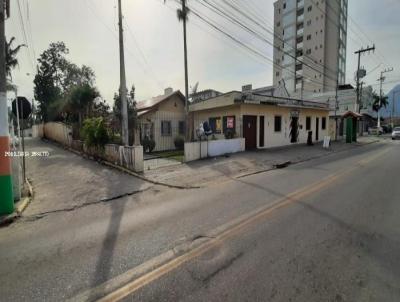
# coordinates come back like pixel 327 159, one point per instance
pixel 177 155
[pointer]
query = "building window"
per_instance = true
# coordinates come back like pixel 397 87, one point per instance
pixel 284 5
pixel 308 22
pixel 181 128
pixel 277 73
pixel 323 123
pixel 308 51
pixel 166 128
pixel 229 123
pixel 309 8
pixel 215 125
pixel 278 124
pixel 309 37
pixel 308 123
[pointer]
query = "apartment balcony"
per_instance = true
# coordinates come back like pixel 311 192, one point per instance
pixel 300 32
pixel 299 45
pixel 300 18
pixel 300 4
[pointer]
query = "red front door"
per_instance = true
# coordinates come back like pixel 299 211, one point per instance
pixel 250 131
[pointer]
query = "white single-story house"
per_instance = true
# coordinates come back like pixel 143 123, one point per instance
pixel 264 121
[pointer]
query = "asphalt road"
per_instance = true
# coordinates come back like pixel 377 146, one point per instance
pixel 336 239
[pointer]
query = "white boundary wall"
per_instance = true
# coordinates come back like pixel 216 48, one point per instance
pixel 197 150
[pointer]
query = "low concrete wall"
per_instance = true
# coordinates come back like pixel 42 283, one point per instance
pixel 37 130
pixel 127 157
pixel 197 150
pixel 58 132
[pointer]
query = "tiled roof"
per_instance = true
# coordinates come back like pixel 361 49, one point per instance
pixel 151 103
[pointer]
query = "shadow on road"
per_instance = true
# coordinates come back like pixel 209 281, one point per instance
pixel 105 258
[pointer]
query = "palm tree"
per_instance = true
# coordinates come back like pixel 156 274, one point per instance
pixel 182 15
pixel 11 56
pixel 379 102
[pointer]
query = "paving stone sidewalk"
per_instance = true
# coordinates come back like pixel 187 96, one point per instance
pixel 212 170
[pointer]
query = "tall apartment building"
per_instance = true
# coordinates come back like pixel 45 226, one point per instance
pixel 310 44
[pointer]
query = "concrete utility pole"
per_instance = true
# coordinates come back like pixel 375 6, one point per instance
pixel 381 79
pixel 122 87
pixel 188 127
pixel 359 52
pixel 6 186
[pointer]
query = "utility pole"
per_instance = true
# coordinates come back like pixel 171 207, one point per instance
pixel 188 131
pixel 6 186
pixel 122 86
pixel 359 52
pixel 381 79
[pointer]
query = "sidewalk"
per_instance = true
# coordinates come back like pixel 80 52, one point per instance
pixel 64 180
pixel 212 170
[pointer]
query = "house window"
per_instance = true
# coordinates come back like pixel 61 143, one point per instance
pixel 308 123
pixel 215 125
pixel 166 128
pixel 324 123
pixel 278 123
pixel 229 123
pixel 181 128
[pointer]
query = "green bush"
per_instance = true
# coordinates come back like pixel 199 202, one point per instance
pixel 148 144
pixel 229 134
pixel 94 132
pixel 179 142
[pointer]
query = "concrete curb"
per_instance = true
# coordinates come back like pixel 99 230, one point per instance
pixel 20 207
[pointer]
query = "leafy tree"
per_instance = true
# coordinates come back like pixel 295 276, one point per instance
pixel 80 99
pixel 94 132
pixel 11 56
pixel 379 102
pixel 63 89
pixel 132 114
pixel 48 80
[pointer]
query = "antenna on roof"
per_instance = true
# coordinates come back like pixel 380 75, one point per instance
pixel 194 88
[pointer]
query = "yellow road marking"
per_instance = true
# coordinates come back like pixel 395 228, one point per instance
pixel 280 203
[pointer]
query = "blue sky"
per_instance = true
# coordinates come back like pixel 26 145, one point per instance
pixel 154 49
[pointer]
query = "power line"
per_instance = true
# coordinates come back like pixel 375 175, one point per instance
pixel 236 40
pixel 143 56
pixel 258 35
pixel 311 59
pixel 22 25
pixel 129 51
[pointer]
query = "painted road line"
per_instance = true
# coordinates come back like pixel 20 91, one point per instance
pixel 217 236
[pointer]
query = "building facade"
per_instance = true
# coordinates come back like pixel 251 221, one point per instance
pixel 310 45
pixel 162 119
pixel 264 121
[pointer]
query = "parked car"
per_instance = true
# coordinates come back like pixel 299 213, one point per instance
pixel 387 128
pixel 375 131
pixel 396 133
